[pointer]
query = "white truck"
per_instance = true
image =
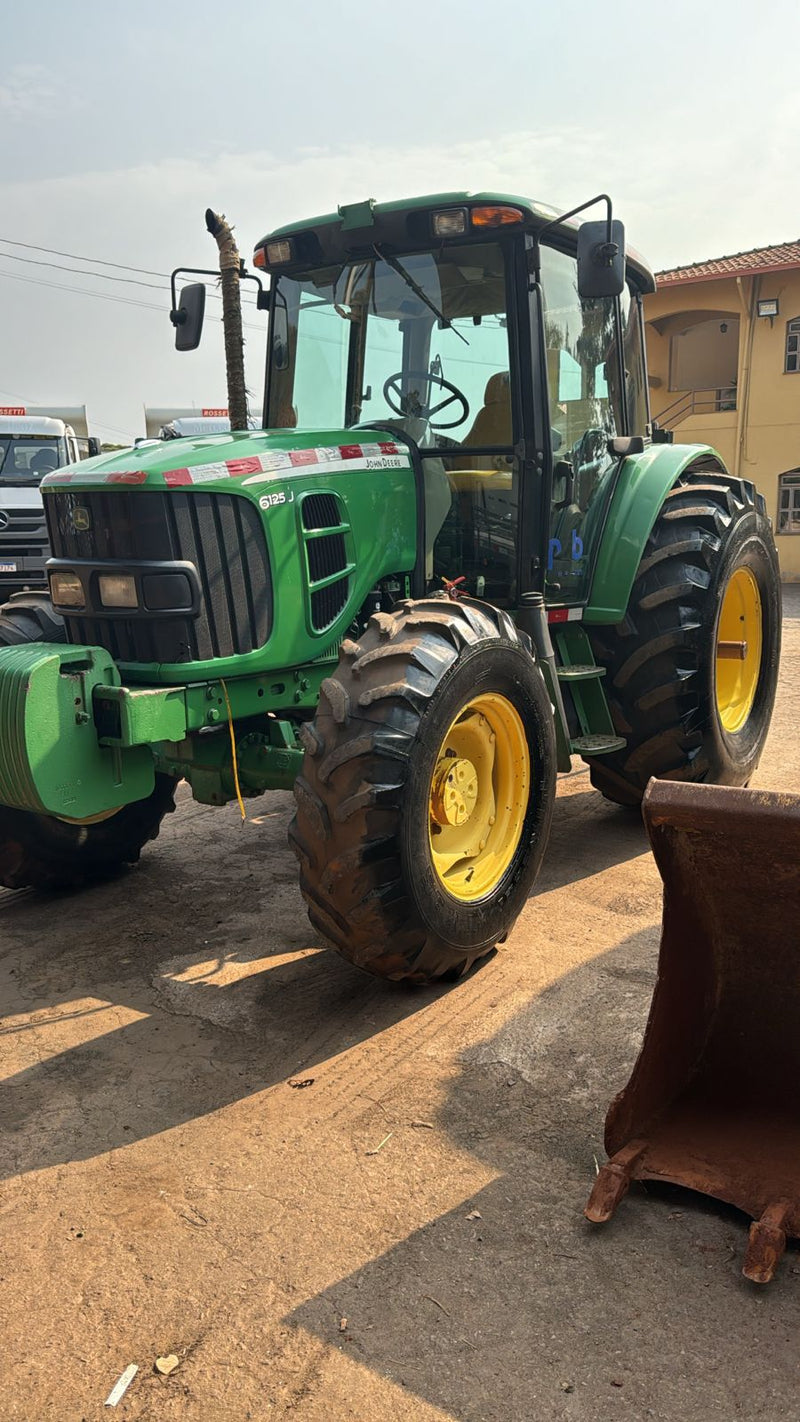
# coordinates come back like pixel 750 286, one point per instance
pixel 161 422
pixel 34 440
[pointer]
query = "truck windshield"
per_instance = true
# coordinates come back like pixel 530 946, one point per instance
pixel 417 341
pixel 25 459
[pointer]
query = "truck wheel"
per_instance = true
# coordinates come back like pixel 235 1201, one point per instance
pixel 29 617
pixel 692 671
pixel 43 852
pixel 425 799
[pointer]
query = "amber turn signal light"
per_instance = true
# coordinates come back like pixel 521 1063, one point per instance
pixel 495 216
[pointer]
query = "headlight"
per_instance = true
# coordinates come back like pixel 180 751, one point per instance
pixel 66 590
pixel 278 252
pixel 452 222
pixel 117 590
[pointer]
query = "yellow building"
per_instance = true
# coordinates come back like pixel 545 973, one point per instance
pixel 723 347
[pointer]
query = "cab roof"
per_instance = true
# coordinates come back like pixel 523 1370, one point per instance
pixel 362 224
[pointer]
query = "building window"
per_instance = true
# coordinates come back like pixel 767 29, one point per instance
pixel 793 345
pixel 789 501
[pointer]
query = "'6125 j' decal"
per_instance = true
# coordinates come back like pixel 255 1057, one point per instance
pixel 271 501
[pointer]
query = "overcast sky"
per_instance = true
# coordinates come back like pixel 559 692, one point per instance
pixel 122 123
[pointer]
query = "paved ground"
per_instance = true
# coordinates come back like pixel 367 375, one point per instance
pixel 402 1236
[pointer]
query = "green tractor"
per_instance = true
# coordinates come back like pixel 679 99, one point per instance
pixel 458 554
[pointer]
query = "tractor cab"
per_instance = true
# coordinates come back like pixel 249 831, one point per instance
pixel 459 325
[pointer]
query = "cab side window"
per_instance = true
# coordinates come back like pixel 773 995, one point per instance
pixel 583 392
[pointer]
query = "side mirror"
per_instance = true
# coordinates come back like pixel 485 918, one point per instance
pixel 94 445
pixel 188 319
pixel 601 263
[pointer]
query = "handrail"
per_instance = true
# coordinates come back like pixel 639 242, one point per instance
pixel 711 400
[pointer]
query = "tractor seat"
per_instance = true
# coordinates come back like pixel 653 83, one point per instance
pixel 492 423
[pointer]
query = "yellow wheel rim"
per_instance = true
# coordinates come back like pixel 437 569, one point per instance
pixel 479 794
pixel 739 644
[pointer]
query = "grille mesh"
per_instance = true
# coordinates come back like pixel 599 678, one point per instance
pixel 327 603
pixel 326 556
pixel 321 511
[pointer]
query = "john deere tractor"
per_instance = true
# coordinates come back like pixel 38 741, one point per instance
pixel 458 554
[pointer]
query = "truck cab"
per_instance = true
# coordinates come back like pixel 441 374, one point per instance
pixel 33 442
pixel 165 422
pixel 174 422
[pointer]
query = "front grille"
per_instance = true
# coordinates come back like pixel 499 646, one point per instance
pixel 221 534
pixel 23 533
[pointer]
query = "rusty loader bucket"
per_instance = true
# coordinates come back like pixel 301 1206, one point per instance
pixel 714 1099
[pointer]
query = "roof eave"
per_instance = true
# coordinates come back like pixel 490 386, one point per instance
pixel 668 278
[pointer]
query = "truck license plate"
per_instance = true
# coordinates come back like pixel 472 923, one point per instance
pixel 8 567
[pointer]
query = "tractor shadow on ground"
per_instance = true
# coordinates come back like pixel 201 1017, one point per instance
pixel 181 987
pixel 510 1305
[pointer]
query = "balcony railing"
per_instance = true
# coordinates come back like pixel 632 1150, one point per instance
pixel 697 402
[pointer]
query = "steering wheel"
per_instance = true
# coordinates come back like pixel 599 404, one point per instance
pixel 399 403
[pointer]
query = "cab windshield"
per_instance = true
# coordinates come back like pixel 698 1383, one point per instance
pixel 416 342
pixel 25 459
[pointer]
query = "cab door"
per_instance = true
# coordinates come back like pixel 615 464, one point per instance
pixel 583 382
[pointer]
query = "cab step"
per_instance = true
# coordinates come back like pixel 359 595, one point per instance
pixel 583 672
pixel 582 680
pixel 596 745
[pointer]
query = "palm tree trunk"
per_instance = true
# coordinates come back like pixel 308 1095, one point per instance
pixel 229 266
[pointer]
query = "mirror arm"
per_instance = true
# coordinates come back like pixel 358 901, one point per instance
pixel 178 317
pixel 604 254
pixel 573 212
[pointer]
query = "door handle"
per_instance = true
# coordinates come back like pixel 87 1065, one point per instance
pixel 564 469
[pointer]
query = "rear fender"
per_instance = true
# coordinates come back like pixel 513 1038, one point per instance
pixel 643 484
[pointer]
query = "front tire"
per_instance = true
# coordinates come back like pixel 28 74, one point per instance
pixel 30 617
pixel 43 852
pixel 688 704
pixel 427 789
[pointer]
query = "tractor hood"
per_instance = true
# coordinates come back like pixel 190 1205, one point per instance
pixel 240 553
pixel 247 458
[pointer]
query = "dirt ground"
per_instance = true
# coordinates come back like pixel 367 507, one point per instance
pixel 335 1199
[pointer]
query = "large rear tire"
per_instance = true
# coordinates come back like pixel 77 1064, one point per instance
pixel 688 704
pixel 425 799
pixel 40 851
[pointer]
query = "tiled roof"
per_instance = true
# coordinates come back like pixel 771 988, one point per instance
pixel 753 263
